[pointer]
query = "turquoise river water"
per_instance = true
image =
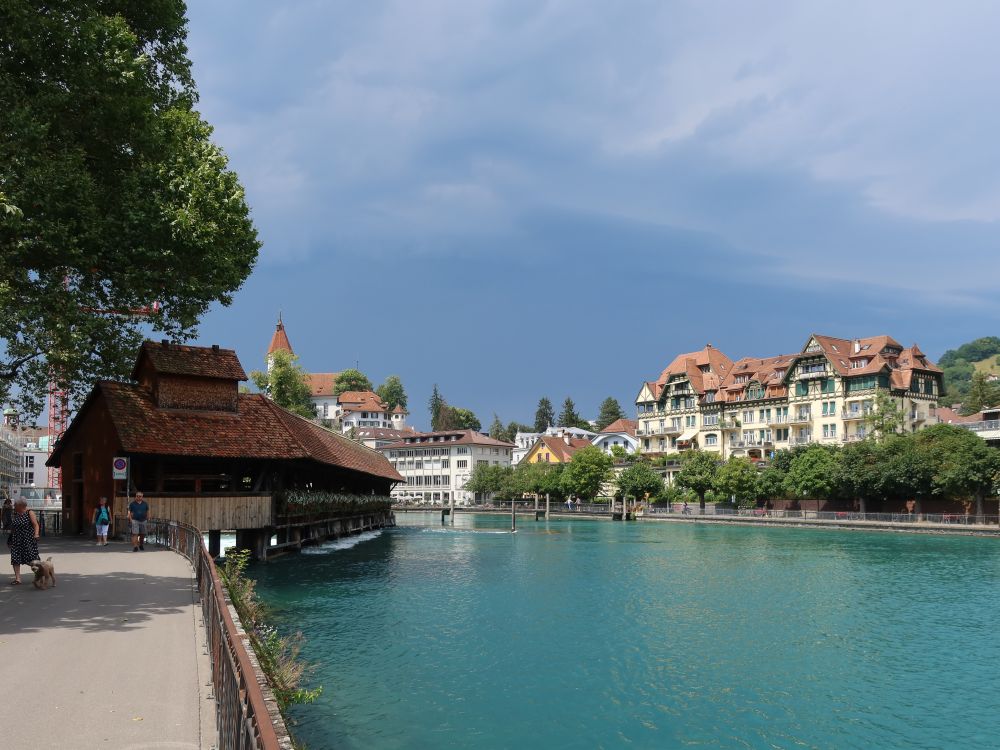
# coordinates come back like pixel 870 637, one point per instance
pixel 595 634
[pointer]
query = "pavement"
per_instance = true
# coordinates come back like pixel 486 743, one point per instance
pixel 113 657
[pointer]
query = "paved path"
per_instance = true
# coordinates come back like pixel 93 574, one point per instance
pixel 113 657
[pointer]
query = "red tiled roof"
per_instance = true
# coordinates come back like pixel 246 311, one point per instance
pixel 321 383
pixel 279 340
pixel 258 429
pixel 196 361
pixel 361 401
pixel 560 448
pixel 462 437
pixel 628 426
pixel 690 364
pixel 385 433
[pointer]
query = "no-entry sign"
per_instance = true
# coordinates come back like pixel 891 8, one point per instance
pixel 119 468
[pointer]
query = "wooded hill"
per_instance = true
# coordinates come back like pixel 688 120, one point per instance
pixel 965 371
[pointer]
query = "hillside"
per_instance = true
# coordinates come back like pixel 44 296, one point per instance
pixel 961 364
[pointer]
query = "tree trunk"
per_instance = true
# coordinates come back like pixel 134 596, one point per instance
pixel 701 502
pixel 979 506
pixel 863 505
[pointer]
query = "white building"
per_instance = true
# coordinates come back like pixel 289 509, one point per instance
pixel 621 433
pixel 358 409
pixel 436 465
pixel 524 440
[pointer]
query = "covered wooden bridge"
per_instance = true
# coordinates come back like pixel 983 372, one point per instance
pixel 207 455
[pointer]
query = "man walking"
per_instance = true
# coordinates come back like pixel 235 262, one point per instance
pixel 138 509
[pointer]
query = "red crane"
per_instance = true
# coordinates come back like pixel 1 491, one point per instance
pixel 59 399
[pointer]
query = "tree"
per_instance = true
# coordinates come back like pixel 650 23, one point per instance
pixel 982 394
pixel 392 393
pixel 859 472
pixel 545 416
pixel 351 380
pixel 541 479
pixel 489 480
pixel 961 464
pixel 586 472
pixel 569 418
pixel 698 470
pixel 885 418
pixel 496 430
pixel 611 411
pixel 639 481
pixel 436 406
pixel 285 384
pixel 114 197
pixel 813 473
pixel 511 430
pixel 738 478
pixel 454 418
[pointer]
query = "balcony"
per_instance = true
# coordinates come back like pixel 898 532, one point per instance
pixel 988 430
pixel 855 413
pixel 802 418
pixel 728 424
pixel 813 374
pixel 857 437
pixel 778 419
pixel 801 440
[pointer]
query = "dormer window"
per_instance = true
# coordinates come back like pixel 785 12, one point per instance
pixel 859 363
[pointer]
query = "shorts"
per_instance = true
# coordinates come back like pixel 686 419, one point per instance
pixel 102 529
pixel 138 527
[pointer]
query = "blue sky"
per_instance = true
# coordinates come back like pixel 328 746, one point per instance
pixel 517 199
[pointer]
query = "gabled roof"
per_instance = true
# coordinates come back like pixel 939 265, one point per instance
pixel 321 383
pixel 691 364
pixel 195 361
pixel 279 339
pixel 626 426
pixel 361 401
pixel 769 372
pixel 559 447
pixel 258 429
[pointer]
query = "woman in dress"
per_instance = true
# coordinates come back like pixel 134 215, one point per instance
pixel 24 538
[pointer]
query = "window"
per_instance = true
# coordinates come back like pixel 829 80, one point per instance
pixel 461 450
pixel 801 389
pixel 29 462
pixel 711 439
pixel 830 430
pixel 747 417
pixel 857 364
pixel 29 477
pixel 462 463
pixel 710 397
pixel 445 463
pixel 484 463
pixel 710 420
pixel 326 410
pixel 829 386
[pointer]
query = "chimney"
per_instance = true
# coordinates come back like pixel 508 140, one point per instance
pixel 857 345
pixel 215 348
pixel 164 342
pixel 566 438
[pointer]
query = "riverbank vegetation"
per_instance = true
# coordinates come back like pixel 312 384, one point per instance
pixel 943 463
pixel 278 655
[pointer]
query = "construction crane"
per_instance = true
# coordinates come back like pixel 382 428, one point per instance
pixel 59 398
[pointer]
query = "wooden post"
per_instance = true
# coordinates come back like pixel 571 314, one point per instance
pixel 513 517
pixel 452 508
pixel 215 543
pixel 546 506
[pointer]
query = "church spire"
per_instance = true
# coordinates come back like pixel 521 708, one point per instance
pixel 279 340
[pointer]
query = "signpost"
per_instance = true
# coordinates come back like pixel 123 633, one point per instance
pixel 119 468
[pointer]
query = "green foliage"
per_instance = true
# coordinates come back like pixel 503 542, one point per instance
pixel 813 473
pixel 492 480
pixel 541 479
pixel 982 394
pixel 960 463
pixel 738 478
pixel 114 197
pixel 285 384
pixel 639 481
pixel 312 502
pixel 568 417
pixel 619 453
pixel 511 430
pixel 278 655
pixel 351 380
pixel 545 415
pixel 886 416
pixel 697 474
pixel 586 472
pixel 959 366
pixel 436 405
pixel 497 430
pixel 610 411
pixel 454 418
pixel 392 392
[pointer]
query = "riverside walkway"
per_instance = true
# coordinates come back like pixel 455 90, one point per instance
pixel 113 657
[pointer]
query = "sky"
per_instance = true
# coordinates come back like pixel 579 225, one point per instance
pixel 524 199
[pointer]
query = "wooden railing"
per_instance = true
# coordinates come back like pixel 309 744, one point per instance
pixel 247 720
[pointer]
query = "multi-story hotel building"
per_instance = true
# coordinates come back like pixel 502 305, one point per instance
pixel 436 465
pixel 753 406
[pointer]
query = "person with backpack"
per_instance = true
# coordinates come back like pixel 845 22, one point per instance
pixel 102 519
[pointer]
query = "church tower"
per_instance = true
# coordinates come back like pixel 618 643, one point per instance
pixel 279 341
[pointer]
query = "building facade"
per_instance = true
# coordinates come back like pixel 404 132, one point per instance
pixel 524 441
pixel 436 465
pixel 826 393
pixel 621 433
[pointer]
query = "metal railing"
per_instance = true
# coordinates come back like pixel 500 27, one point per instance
pixel 991 424
pixel 242 715
pixel 824 515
